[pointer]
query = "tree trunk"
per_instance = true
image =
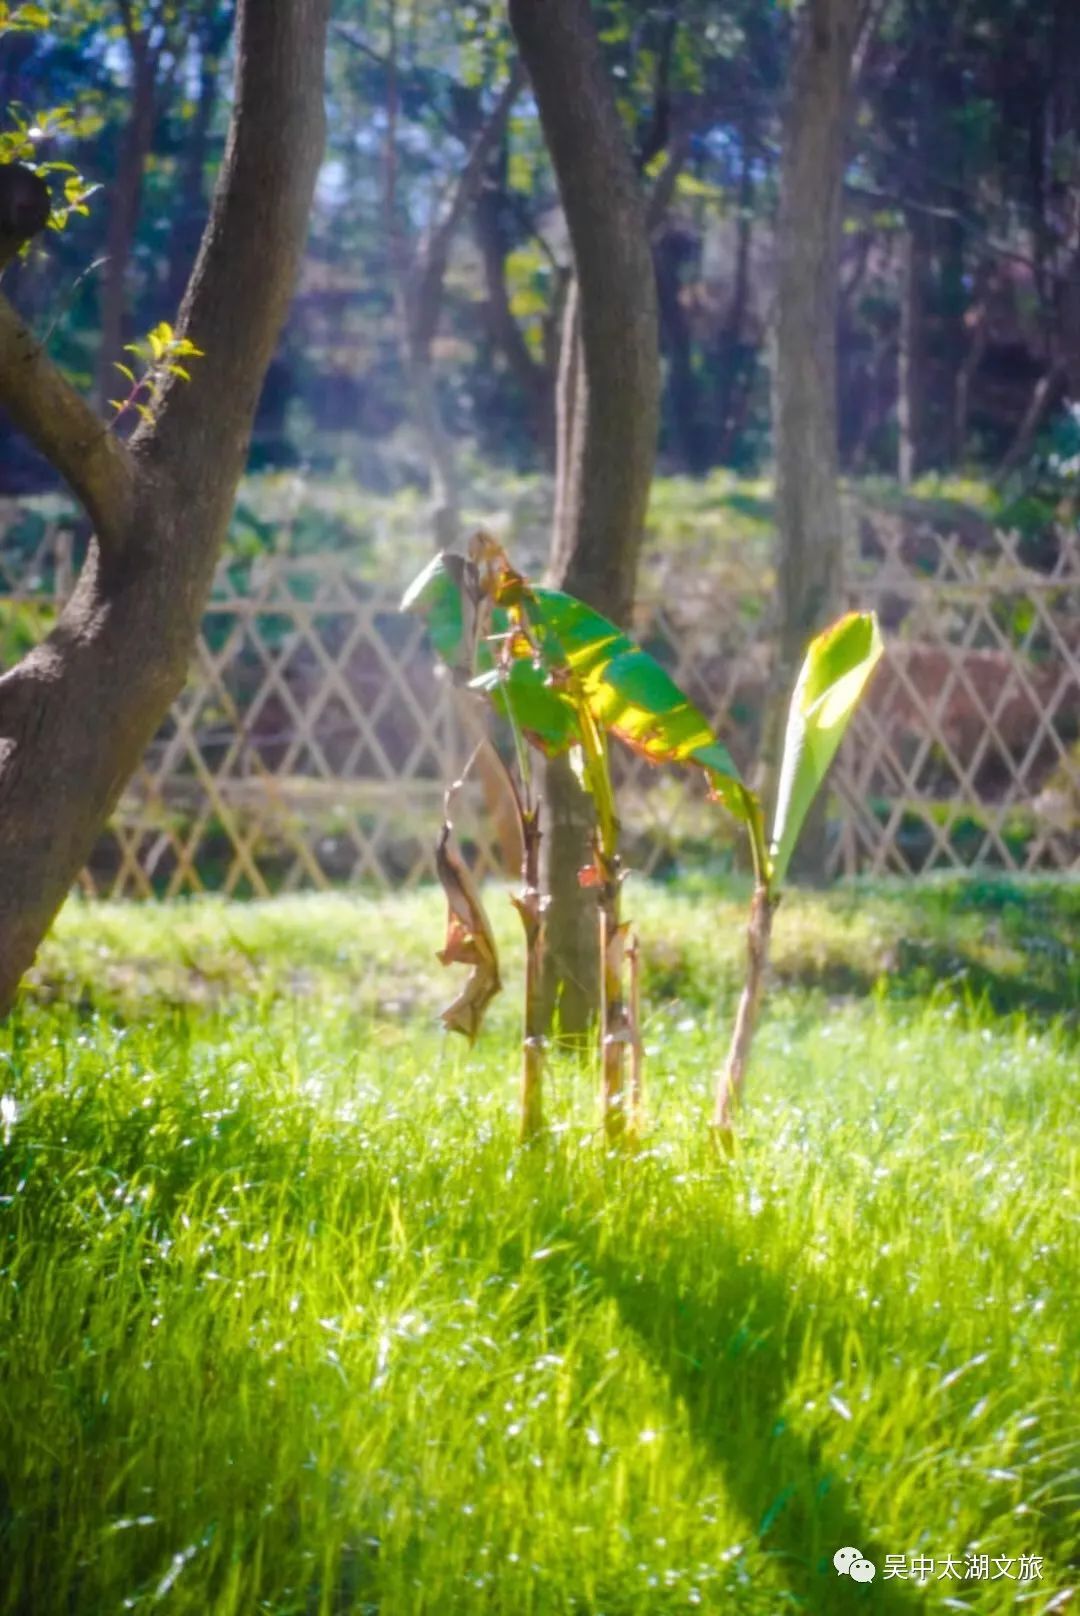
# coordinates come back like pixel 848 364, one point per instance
pixel 77 712
pixel 731 357
pixel 420 289
pixel 1067 118
pixel 910 404
pixel 533 377
pixel 438 446
pixel 978 341
pixel 809 541
pixel 607 411
pixel 683 388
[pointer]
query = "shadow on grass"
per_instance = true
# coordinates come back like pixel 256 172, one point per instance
pixel 728 1351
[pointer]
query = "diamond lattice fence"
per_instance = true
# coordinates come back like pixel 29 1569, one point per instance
pixel 315 738
pixel 967 750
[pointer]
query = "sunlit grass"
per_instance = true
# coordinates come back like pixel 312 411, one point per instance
pixel 290 1325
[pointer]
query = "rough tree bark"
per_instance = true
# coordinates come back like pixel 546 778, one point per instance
pixel 809 544
pixel 78 711
pixel 608 405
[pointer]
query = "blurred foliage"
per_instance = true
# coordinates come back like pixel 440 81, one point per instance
pixel 962 135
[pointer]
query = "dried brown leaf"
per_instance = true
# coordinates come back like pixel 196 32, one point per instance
pixel 469 941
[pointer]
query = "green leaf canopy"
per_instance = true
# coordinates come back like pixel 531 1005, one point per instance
pixel 522 690
pixel 576 653
pixel 627 690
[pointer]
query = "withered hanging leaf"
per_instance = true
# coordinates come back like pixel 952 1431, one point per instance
pixel 469 940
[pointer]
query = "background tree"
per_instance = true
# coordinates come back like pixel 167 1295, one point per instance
pixel 607 413
pixel 808 541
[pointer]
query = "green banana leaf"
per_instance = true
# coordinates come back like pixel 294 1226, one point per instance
pixel 627 691
pixel 834 675
pixel 435 595
pixel 522 690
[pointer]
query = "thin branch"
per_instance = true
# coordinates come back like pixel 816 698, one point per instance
pixel 435 248
pixel 873 12
pixel 865 193
pixel 59 422
pixel 658 134
pixel 663 186
pixel 343 32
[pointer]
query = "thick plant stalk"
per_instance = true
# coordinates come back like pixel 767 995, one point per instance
pixel 729 1089
pixel 530 907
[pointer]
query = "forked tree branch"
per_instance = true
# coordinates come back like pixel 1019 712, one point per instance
pixel 434 250
pixel 77 713
pixel 40 401
pixel 236 299
pixel 60 423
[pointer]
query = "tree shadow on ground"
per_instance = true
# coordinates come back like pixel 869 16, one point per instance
pixel 729 1348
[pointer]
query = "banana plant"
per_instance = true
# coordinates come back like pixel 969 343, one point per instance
pixel 596 682
pixel 831 683
pixel 458 612
pixel 566 678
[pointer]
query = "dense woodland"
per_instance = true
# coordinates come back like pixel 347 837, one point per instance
pixel 428 316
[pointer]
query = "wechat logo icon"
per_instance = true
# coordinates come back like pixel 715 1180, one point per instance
pixel 850 1563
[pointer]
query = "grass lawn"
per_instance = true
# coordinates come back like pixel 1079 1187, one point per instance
pixel 288 1324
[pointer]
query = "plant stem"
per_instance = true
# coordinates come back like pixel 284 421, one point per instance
pixel 729 1089
pixel 530 907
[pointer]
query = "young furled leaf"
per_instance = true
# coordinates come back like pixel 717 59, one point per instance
pixel 832 679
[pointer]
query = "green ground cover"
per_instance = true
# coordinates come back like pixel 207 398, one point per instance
pixel 289 1325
